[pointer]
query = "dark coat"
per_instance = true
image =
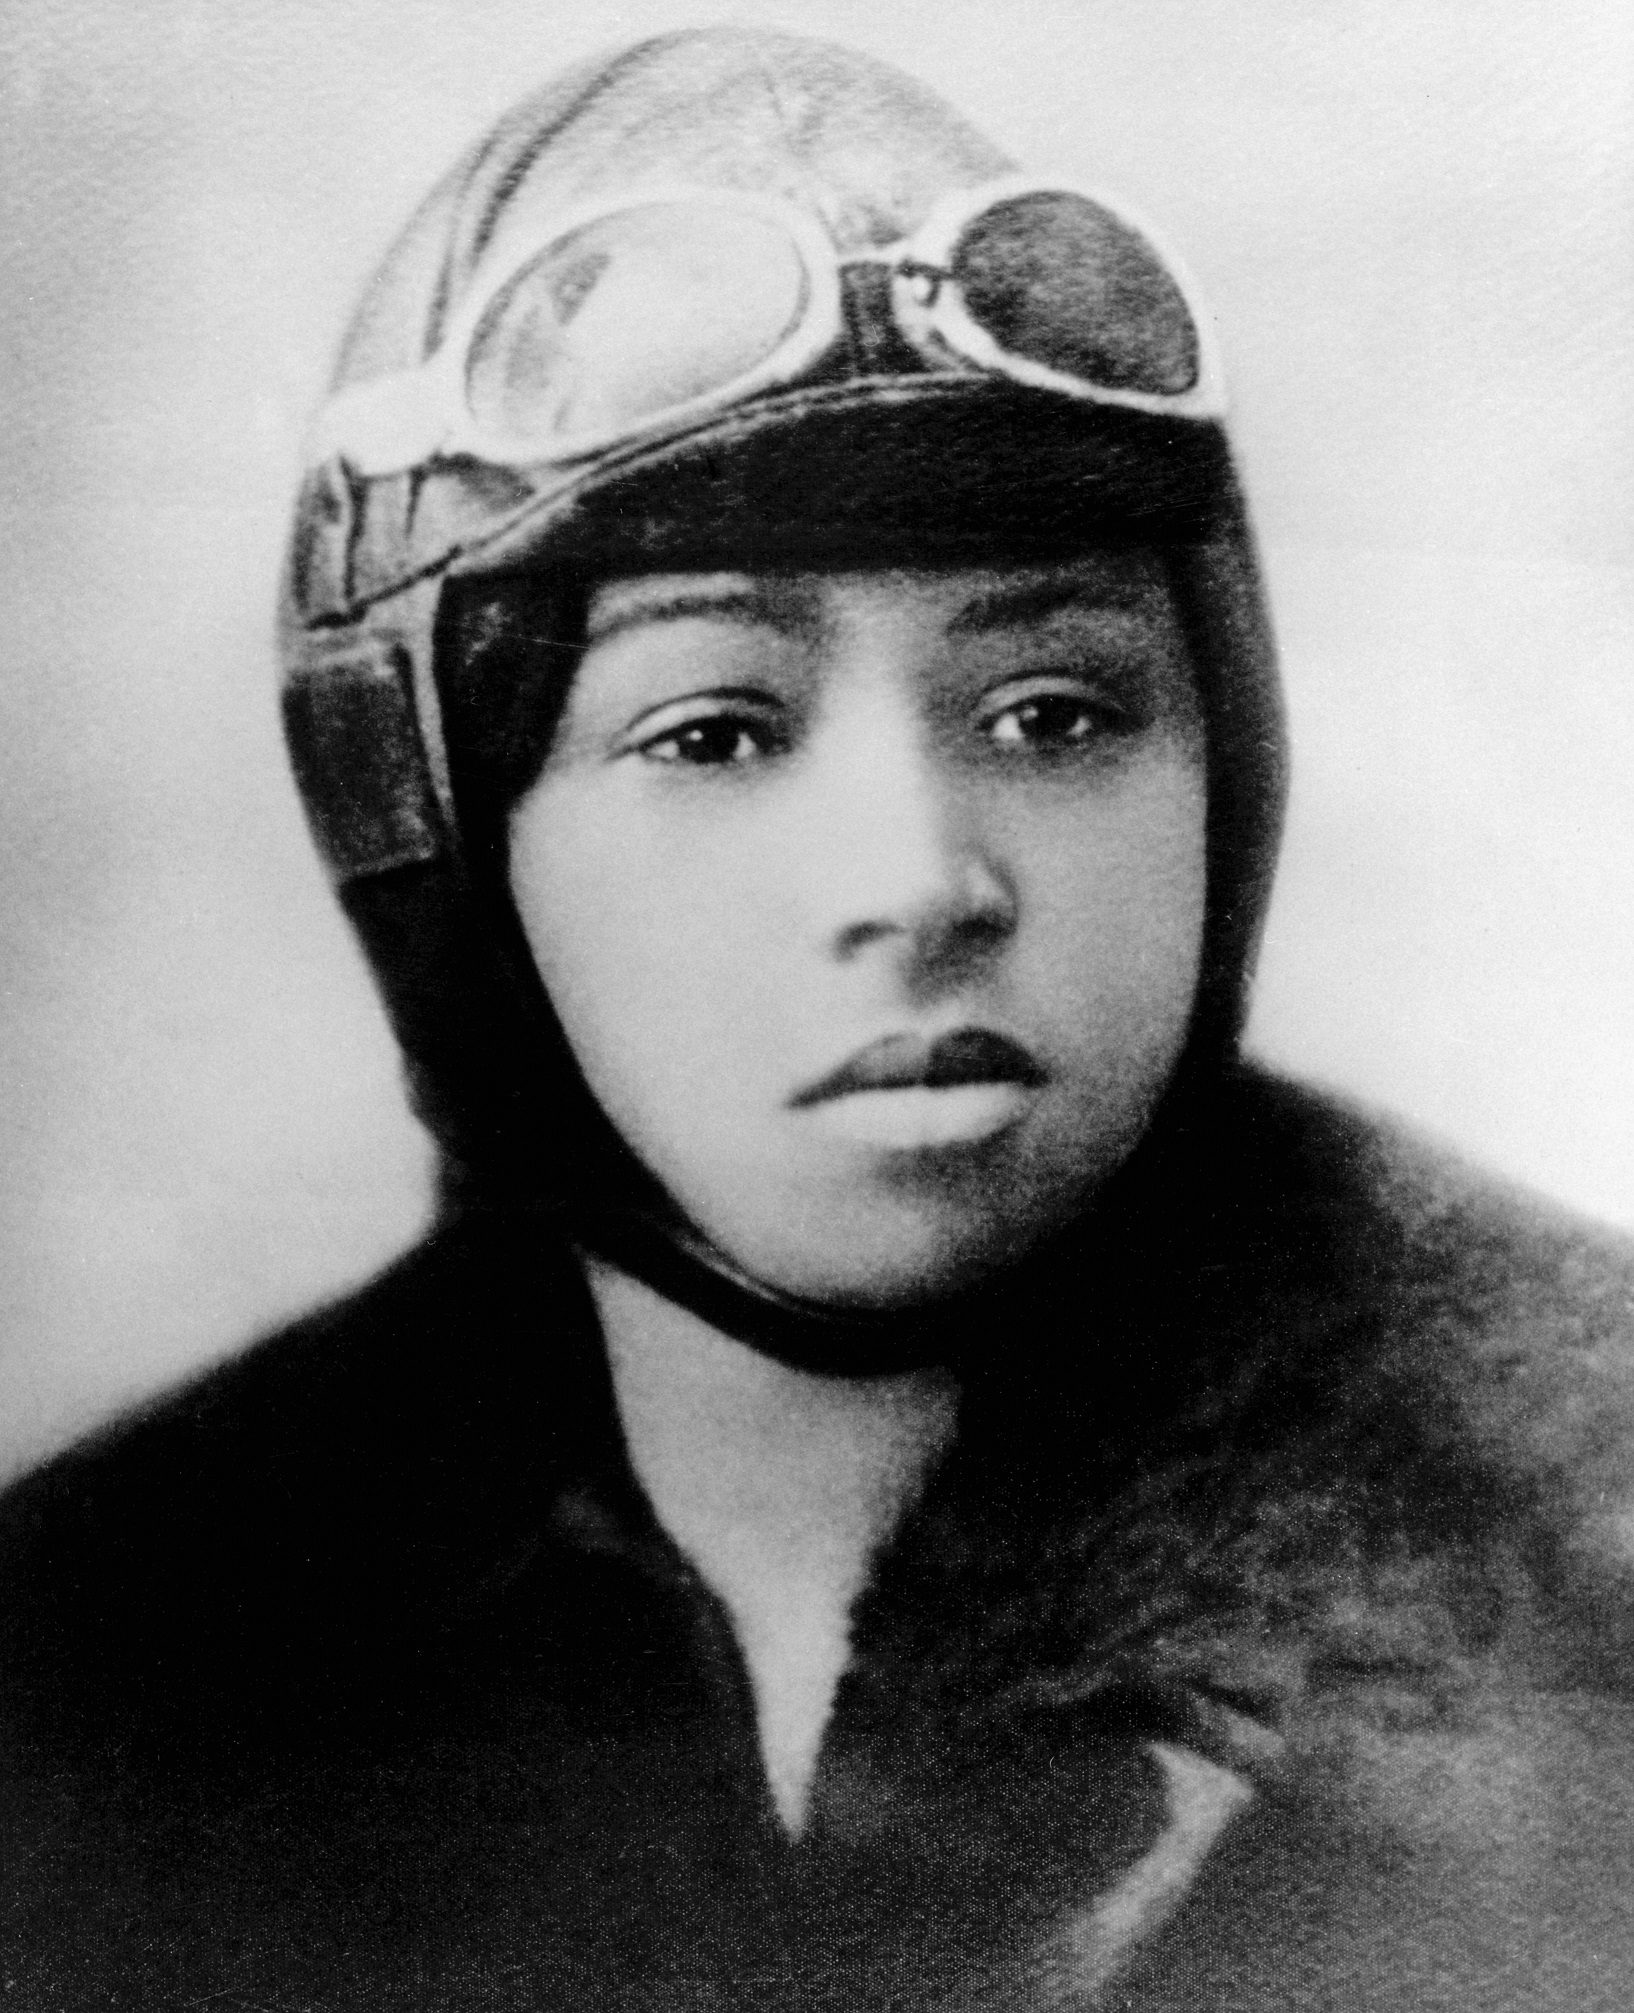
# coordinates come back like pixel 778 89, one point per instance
pixel 1265 1642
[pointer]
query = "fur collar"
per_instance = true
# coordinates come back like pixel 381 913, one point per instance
pixel 1325 1450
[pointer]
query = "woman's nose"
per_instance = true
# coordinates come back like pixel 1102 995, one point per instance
pixel 899 857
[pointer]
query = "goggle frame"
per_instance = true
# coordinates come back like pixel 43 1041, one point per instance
pixel 406 419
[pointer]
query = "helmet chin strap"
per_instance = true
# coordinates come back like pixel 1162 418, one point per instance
pixel 809 1335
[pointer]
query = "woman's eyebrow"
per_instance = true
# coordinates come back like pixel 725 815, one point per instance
pixel 746 602
pixel 1007 606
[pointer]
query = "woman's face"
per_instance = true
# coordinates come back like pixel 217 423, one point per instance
pixel 872 903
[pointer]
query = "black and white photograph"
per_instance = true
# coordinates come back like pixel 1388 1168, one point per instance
pixel 817 1007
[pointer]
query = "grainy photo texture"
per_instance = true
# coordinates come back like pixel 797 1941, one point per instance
pixel 716 1302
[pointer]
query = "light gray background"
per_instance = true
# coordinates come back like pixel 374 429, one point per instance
pixel 1413 217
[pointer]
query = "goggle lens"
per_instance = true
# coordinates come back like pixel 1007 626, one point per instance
pixel 1055 279
pixel 621 321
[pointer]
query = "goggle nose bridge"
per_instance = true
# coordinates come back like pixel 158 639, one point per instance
pixel 871 330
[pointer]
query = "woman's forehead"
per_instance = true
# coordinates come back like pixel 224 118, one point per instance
pixel 963 599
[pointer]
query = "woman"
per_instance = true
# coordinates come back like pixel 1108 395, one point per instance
pixel 908 1473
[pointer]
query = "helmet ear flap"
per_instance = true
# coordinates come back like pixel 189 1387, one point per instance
pixel 419 866
pixel 358 749
pixel 477 1066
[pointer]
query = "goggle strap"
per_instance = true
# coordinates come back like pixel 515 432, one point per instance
pixel 383 426
pixel 360 757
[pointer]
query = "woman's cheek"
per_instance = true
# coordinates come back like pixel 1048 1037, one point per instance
pixel 645 926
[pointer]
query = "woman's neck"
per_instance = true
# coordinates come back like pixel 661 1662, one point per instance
pixel 779 1486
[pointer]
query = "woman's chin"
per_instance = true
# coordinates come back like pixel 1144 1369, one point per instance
pixel 866 1267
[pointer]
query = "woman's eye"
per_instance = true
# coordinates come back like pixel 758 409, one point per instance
pixel 1050 720
pixel 719 740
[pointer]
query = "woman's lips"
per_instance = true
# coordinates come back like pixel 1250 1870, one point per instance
pixel 910 1091
pixel 969 1055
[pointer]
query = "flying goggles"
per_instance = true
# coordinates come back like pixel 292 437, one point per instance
pixel 640 319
